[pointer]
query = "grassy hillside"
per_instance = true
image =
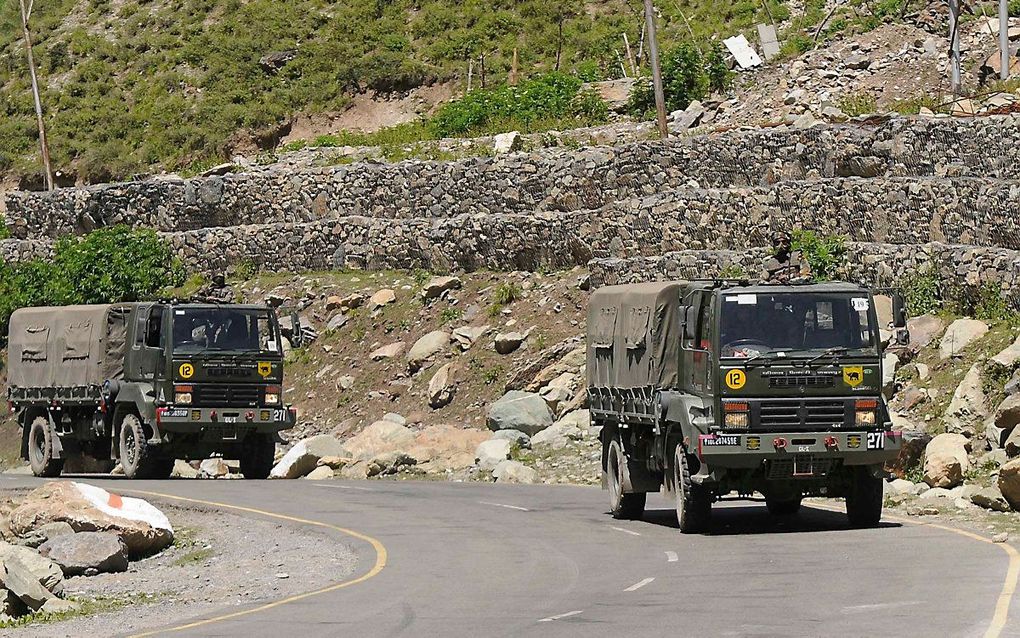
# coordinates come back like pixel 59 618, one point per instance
pixel 135 84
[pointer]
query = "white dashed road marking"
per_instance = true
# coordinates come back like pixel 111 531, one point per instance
pixel 559 616
pixel 638 585
pixel 671 557
pixel 625 531
pixel 345 487
pixel 509 507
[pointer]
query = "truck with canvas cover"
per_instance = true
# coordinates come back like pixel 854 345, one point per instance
pixel 718 387
pixel 146 384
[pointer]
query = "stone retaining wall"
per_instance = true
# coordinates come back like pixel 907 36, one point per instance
pixel 552 180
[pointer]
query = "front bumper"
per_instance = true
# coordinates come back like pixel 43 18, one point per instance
pixel 225 423
pixel 748 450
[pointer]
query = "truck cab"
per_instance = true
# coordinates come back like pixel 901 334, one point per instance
pixel 742 388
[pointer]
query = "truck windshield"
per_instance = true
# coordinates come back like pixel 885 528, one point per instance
pixel 218 329
pixel 753 324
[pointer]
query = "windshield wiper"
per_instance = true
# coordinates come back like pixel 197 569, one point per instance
pixel 834 352
pixel 766 357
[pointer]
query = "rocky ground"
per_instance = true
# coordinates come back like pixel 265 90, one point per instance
pixel 214 559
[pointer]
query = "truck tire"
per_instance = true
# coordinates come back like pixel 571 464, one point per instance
pixel 693 503
pixel 40 449
pixel 787 507
pixel 622 505
pixel 137 457
pixel 258 452
pixel 864 501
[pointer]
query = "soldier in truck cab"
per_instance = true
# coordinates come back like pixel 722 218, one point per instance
pixel 786 265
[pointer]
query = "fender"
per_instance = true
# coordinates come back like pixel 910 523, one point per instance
pixel 677 410
pixel 25 419
pixel 137 397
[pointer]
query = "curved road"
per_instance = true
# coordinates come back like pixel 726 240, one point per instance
pixel 492 560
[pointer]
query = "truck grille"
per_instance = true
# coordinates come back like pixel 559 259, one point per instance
pixel 801 382
pixel 800 415
pixel 240 396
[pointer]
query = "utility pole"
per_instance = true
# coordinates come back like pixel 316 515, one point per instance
pixel 1003 40
pixel 954 46
pixel 26 14
pixel 653 51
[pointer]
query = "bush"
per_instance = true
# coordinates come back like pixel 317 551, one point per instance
pixel 1014 8
pixel 825 254
pixel 686 76
pixel 859 103
pixel 922 292
pixel 106 266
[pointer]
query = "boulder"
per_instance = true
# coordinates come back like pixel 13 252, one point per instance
pixel 507 142
pixel 508 342
pixel 1012 443
pixel 923 330
pixel 516 437
pixel 381 298
pixel 968 407
pixel 1010 356
pixel 890 363
pixel 378 438
pixel 393 417
pixel 78 553
pixel 467 336
pixel 946 460
pixel 58 605
pixel 572 427
pixel 333 462
pixel 183 469
pixel 389 463
pixel 17 578
pixel 517 410
pixel 990 498
pixel 87 508
pixel 37 537
pixel 320 473
pixel 444 447
pixel 1013 385
pixel 911 452
pixel 1007 415
pixel 304 456
pixel 960 334
pixel 43 569
pixel 491 453
pixel 514 472
pixel 903 486
pixel 441 387
pixel 438 285
pixel 336 322
pixel 1009 483
pixel 427 347
pixel 213 468
pixel 345 382
pixel 387 352
pixel 333 302
pixel 353 300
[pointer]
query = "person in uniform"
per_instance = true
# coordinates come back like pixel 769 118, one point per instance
pixel 218 290
pixel 786 265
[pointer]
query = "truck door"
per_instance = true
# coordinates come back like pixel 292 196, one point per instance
pixel 697 374
pixel 147 348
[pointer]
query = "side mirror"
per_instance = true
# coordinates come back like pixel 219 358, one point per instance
pixel 899 311
pixel 296 337
pixel 690 322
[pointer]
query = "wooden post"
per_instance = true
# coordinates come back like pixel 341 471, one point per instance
pixel 481 62
pixel 26 14
pixel 559 42
pixel 653 52
pixel 513 69
pixel 471 72
pixel 630 56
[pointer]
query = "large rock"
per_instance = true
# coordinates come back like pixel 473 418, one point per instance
pixel 517 410
pixel 491 453
pixel 1011 444
pixel 43 569
pixel 213 468
pixel 946 460
pixel 78 553
pixel 1010 356
pixel 968 407
pixel 445 447
pixel 387 352
pixel 516 437
pixel 321 472
pixel 381 298
pixel 87 508
pixel 304 456
pixel 467 336
pixel 389 463
pixel 990 498
pixel 427 347
pixel 438 285
pixel 890 363
pixel 20 581
pixel 572 427
pixel 1007 415
pixel 507 342
pixel 379 437
pixel 514 472
pixel 960 334
pixel 507 142
pixel 441 387
pixel 923 330
pixel 183 469
pixel 1009 483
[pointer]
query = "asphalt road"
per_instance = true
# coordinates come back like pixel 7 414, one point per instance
pixel 491 560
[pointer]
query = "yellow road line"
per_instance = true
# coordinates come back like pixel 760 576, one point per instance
pixel 380 561
pixel 1009 585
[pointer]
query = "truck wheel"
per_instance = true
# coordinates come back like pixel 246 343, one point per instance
pixel 787 507
pixel 136 457
pixel 864 502
pixel 258 452
pixel 622 505
pixel 693 505
pixel 40 449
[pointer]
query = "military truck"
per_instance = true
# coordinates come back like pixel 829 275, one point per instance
pixel 147 383
pixel 709 388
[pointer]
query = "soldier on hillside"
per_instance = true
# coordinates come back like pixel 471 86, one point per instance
pixel 786 266
pixel 218 290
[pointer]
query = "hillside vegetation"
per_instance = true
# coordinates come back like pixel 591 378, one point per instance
pixel 132 86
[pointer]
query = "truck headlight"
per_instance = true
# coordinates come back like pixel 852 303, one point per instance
pixel 182 394
pixel 272 396
pixel 735 415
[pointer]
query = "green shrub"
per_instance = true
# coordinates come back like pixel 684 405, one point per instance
pixel 686 76
pixel 1014 8
pixel 922 291
pixel 859 103
pixel 825 254
pixel 5 232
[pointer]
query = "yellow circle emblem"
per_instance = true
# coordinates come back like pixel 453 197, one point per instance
pixel 186 370
pixel 735 379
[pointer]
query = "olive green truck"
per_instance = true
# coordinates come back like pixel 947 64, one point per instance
pixel 146 384
pixel 716 387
